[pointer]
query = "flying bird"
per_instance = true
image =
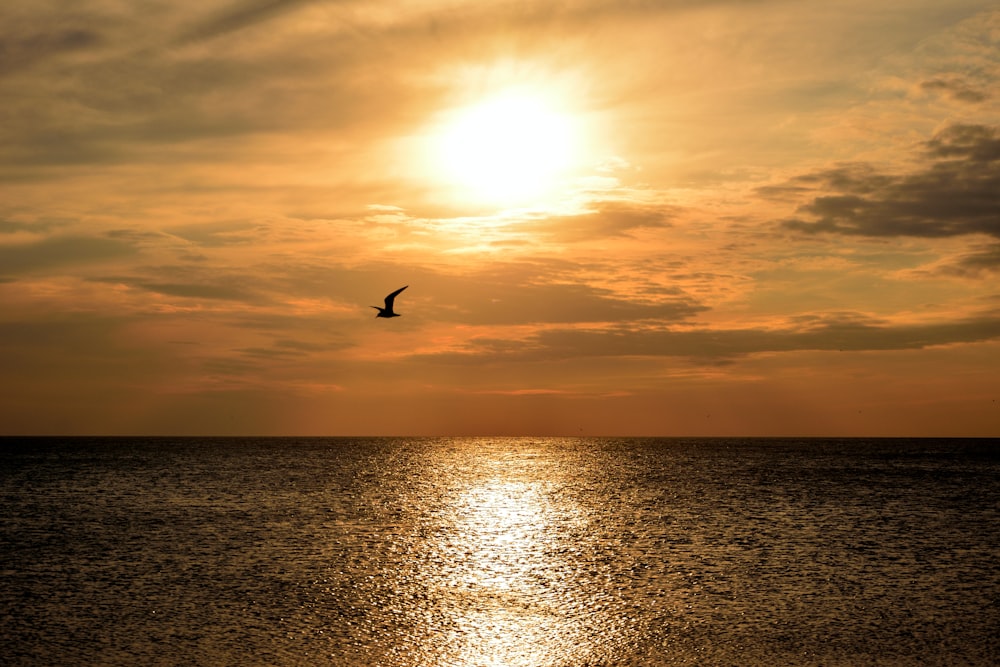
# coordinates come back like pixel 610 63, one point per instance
pixel 387 311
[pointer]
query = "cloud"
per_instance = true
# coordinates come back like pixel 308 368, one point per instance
pixel 975 264
pixel 198 291
pixel 955 194
pixel 976 143
pixel 547 291
pixel 241 15
pixel 20 51
pixel 838 332
pixel 197 280
pixel 956 88
pixel 139 100
pixel 37 226
pixel 60 251
pixel 987 259
pixel 498 293
pixel 553 303
pixel 221 233
pixel 605 219
pixel 958 64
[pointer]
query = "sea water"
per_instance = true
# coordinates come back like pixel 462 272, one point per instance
pixel 497 551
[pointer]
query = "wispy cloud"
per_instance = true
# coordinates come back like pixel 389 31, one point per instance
pixel 60 251
pixel 239 15
pixel 850 335
pixel 19 51
pixel 603 219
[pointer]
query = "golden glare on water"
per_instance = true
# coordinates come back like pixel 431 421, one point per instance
pixel 512 148
pixel 501 553
pixel 500 520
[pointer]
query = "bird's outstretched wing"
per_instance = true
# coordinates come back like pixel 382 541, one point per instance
pixel 392 297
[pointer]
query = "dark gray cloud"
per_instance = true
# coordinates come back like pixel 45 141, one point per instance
pixel 976 264
pixel 61 251
pixel 19 51
pixel 839 332
pixel 958 192
pixel 955 88
pixel 975 143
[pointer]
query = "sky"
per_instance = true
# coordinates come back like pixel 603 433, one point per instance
pixel 672 218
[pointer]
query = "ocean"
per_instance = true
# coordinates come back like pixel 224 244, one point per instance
pixel 569 552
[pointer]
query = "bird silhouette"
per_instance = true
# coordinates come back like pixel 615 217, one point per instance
pixel 387 311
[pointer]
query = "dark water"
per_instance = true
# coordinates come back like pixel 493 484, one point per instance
pixel 483 552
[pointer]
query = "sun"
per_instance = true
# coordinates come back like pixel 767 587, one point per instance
pixel 510 149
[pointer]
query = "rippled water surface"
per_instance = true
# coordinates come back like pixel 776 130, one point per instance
pixel 483 552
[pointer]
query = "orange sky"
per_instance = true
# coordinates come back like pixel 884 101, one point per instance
pixel 626 218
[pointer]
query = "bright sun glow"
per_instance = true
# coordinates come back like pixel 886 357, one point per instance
pixel 510 149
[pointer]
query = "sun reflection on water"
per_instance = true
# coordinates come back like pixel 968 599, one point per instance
pixel 501 523
pixel 502 565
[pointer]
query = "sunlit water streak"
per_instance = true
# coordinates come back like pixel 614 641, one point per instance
pixel 514 552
